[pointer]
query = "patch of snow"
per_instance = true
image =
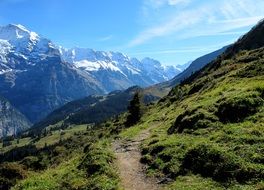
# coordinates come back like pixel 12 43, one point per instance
pixel 97 65
pixel 87 65
pixel 2 71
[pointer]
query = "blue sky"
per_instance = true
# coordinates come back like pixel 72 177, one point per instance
pixel 171 31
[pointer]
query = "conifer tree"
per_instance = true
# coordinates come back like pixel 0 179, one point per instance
pixel 134 111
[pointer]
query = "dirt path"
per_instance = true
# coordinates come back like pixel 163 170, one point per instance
pixel 131 170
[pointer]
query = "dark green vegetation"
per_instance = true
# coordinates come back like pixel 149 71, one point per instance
pixel 207 133
pixel 134 111
pixel 77 157
pixel 93 109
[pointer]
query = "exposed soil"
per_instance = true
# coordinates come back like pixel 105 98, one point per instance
pixel 132 172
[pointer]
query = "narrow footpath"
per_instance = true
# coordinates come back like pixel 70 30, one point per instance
pixel 132 172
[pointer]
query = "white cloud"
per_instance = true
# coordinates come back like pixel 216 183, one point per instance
pixel 105 38
pixel 221 27
pixel 176 2
pixel 212 18
pixel 159 3
pixel 192 49
pixel 175 24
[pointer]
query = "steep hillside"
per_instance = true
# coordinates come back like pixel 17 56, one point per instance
pixel 163 88
pixel 209 130
pixel 252 40
pixel 11 120
pixel 196 65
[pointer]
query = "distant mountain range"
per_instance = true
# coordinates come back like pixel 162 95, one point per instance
pixel 117 71
pixel 37 76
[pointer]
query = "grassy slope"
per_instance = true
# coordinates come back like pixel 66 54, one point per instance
pixel 50 139
pixel 210 145
pixel 78 159
pixel 83 171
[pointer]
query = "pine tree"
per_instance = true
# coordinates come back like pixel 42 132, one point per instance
pixel 134 111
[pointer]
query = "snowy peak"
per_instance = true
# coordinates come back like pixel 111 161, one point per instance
pixel 150 65
pixel 93 61
pixel 24 41
pixel 16 41
pixel 80 54
pixel 26 44
pixel 13 32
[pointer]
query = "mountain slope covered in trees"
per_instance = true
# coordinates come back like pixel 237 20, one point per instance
pixel 94 109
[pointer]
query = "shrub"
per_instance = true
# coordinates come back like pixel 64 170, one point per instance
pixel 176 93
pixel 196 87
pixel 192 119
pixel 98 165
pixel 10 173
pixel 32 162
pixel 252 70
pixel 219 164
pixel 237 108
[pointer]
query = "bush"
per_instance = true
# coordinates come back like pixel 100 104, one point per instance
pixel 176 94
pixel 10 173
pixel 222 166
pixel 32 162
pixel 98 165
pixel 236 109
pixel 192 119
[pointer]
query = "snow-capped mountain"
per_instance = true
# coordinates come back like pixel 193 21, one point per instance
pixel 116 70
pixel 25 43
pixel 37 76
pixel 34 78
pixel 16 42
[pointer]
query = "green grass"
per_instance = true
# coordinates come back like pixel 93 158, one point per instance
pixel 225 151
pixel 81 161
pixel 14 144
pixel 132 132
pixel 195 182
pixel 99 164
pixel 56 136
pixel 62 176
pixel 50 139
